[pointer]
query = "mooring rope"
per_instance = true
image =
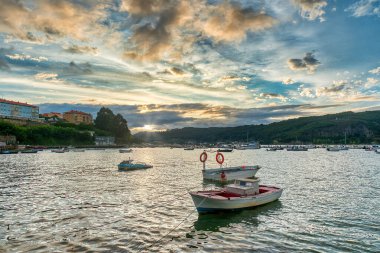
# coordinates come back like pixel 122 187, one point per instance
pixel 170 231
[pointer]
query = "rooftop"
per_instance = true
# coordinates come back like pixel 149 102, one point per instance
pixel 16 103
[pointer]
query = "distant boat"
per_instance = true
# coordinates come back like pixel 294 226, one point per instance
pixel 251 145
pixel 297 148
pixel 225 150
pixel 244 193
pixel 78 150
pixel 125 150
pixel 8 152
pixel 58 150
pixel 129 165
pixel 335 148
pixel 29 151
pixel 271 149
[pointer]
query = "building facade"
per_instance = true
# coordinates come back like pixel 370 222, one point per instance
pixel 104 140
pixel 77 117
pixel 17 110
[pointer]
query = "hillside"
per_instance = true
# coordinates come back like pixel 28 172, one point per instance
pixel 363 127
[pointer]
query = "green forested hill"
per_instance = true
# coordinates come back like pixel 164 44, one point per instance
pixel 363 127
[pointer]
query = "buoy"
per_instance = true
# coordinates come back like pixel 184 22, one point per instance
pixel 219 158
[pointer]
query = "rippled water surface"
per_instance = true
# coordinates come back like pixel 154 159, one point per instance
pixel 79 202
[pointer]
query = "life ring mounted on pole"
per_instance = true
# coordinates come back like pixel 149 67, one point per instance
pixel 219 158
pixel 203 157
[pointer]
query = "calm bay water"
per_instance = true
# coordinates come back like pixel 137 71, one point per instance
pixel 79 202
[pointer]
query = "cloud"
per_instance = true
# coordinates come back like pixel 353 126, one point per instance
pixel 46 76
pixel 273 96
pixel 78 69
pixel 311 9
pixel 3 62
pixel 4 65
pixel 375 71
pixel 371 82
pixel 306 92
pixel 168 29
pixel 365 8
pixel 308 62
pixel 143 7
pixel 53 19
pixel 155 38
pixel 288 81
pixel 75 49
pixel 336 88
pixel 23 57
pixel 230 22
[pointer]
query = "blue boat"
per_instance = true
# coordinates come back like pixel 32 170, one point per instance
pixel 129 165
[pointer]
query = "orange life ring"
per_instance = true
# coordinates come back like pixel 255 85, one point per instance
pixel 219 158
pixel 203 157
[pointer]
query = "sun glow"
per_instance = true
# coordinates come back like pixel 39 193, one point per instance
pixel 148 128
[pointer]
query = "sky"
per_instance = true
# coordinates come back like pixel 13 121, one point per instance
pixel 168 64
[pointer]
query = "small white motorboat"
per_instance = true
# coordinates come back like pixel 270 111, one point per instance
pixel 225 174
pixel 125 150
pixel 244 193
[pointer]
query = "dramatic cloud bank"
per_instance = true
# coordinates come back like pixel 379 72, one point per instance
pixel 192 62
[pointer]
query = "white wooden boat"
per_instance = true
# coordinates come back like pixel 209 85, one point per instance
pixel 244 193
pixel 225 174
pixel 230 173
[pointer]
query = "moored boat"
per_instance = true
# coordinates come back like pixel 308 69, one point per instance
pixel 29 151
pixel 225 174
pixel 271 149
pixel 244 193
pixel 333 149
pixel 225 150
pixel 129 165
pixel 8 152
pixel 58 150
pixel 125 150
pixel 297 148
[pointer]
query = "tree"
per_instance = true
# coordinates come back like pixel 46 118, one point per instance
pixel 116 125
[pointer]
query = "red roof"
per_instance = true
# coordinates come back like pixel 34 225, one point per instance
pixel 16 103
pixel 77 112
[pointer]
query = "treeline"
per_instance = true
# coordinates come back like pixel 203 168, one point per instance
pixel 46 135
pixel 363 127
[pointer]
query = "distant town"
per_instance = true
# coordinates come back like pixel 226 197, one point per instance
pixel 23 116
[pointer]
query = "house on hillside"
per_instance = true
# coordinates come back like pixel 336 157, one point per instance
pixel 78 117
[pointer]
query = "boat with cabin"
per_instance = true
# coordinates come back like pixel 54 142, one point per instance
pixel 226 174
pixel 244 193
